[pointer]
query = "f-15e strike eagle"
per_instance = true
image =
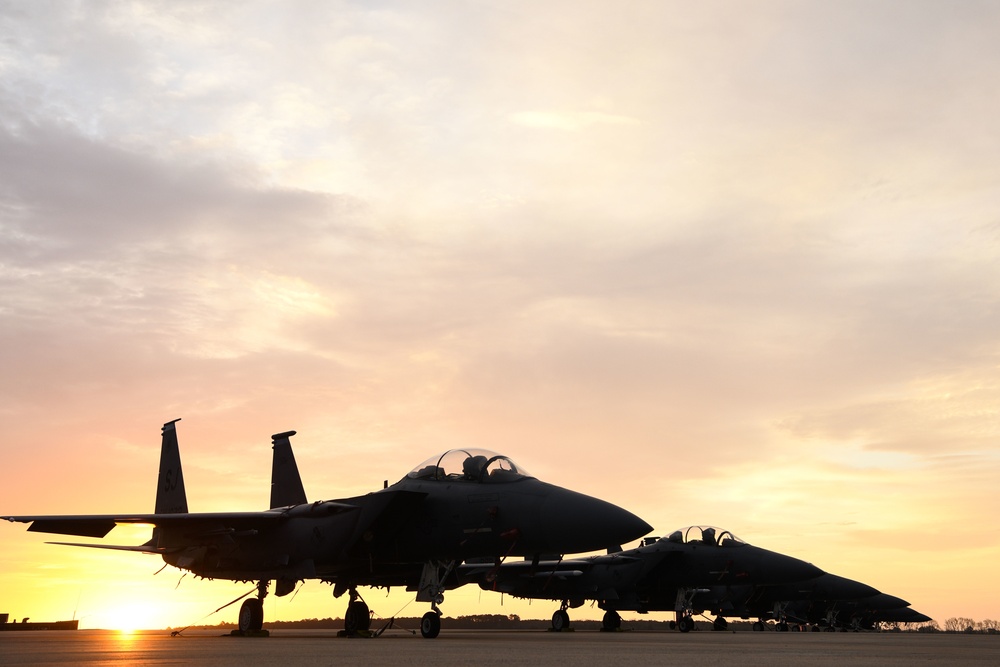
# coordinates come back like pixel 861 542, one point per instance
pixel 828 602
pixel 462 504
pixel 659 575
pixel 695 570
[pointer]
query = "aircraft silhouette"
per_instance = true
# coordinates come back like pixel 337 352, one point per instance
pixel 827 602
pixel 660 575
pixel 458 505
pixel 873 619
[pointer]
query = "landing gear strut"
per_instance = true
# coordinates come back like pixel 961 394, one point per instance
pixel 684 605
pixel 252 611
pixel 432 590
pixel 357 619
pixel 560 619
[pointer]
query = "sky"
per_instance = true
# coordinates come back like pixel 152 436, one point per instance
pixel 718 263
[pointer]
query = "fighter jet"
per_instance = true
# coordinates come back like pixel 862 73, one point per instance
pixel 797 602
pixel 893 616
pixel 865 613
pixel 660 575
pixel 454 506
pixel 828 602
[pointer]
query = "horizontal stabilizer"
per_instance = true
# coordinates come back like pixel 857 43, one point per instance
pixel 99 525
pixel 85 528
pixel 142 548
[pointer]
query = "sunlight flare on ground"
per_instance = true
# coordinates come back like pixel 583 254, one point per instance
pixel 127 618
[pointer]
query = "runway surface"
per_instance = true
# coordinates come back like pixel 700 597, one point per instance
pixel 457 647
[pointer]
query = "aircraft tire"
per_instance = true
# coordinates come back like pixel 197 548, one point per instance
pixel 430 625
pixel 720 623
pixel 251 615
pixel 612 620
pixel 357 619
pixel 686 624
pixel 758 626
pixel 560 620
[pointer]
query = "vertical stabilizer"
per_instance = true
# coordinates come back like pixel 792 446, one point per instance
pixel 286 484
pixel 170 495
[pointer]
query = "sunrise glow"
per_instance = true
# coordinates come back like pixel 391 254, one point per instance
pixel 729 264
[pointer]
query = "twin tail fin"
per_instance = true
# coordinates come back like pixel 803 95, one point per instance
pixel 286 483
pixel 170 495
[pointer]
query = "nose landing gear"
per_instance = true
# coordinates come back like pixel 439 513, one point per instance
pixel 430 624
pixel 685 622
pixel 432 590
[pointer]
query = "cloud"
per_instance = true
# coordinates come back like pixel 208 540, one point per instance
pixel 742 263
pixel 568 121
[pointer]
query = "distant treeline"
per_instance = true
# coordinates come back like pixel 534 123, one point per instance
pixel 969 626
pixel 515 622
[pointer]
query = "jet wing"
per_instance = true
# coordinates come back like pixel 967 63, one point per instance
pixel 99 525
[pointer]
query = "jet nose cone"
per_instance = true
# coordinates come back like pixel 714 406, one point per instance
pixel 778 568
pixel 799 570
pixel 908 615
pixel 833 587
pixel 886 601
pixel 572 522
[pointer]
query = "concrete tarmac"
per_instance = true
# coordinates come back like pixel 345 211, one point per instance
pixel 288 648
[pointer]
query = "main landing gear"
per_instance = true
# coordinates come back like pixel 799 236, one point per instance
pixel 560 620
pixel 358 619
pixel 685 621
pixel 780 625
pixel 611 622
pixel 251 618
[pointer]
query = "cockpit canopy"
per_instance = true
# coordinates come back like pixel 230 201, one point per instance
pixel 709 535
pixel 470 465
